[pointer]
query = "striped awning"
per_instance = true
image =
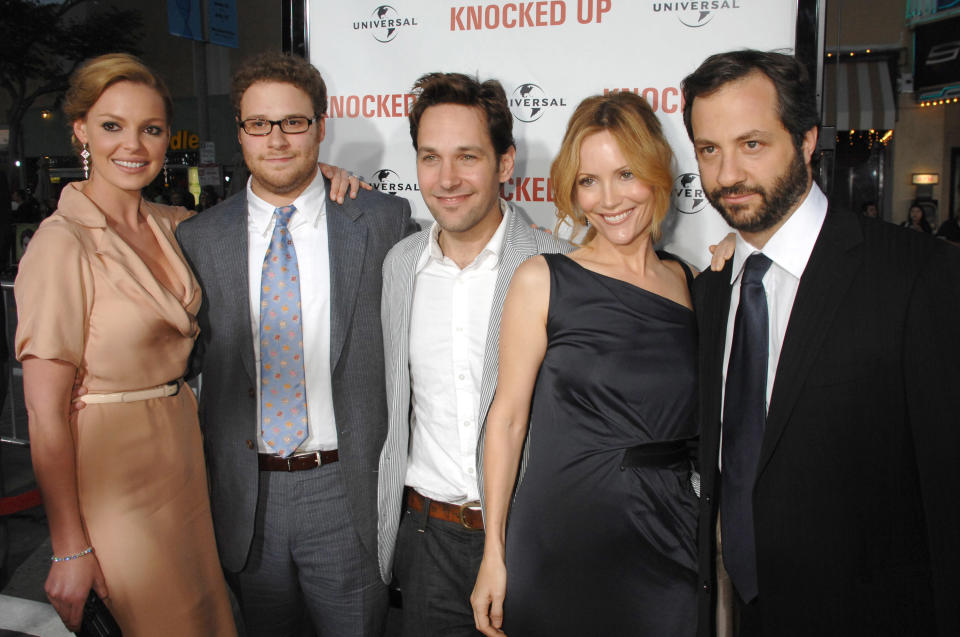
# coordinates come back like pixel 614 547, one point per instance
pixel 858 95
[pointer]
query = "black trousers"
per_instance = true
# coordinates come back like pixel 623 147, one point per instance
pixel 746 617
pixel 436 566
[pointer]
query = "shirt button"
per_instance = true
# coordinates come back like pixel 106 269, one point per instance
pixel 470 470
pixel 461 376
pixel 466 423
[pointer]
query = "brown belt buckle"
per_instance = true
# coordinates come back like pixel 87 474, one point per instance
pixel 290 459
pixel 472 505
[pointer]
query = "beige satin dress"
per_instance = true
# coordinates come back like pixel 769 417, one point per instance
pixel 85 297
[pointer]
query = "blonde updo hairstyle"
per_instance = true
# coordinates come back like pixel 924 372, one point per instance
pixel 632 123
pixel 98 74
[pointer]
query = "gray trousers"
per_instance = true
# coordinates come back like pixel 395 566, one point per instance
pixel 306 563
pixel 436 566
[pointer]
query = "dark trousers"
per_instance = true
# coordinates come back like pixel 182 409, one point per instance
pixel 746 617
pixel 306 563
pixel 436 566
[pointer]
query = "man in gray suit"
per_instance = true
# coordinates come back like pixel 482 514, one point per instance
pixel 294 515
pixel 443 293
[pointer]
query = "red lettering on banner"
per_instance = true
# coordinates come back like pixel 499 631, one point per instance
pixel 651 95
pixel 554 19
pixel 538 188
pixel 671 108
pixel 513 14
pixel 491 17
pixel 585 10
pixel 335 107
pixel 370 106
pixel 508 22
pixel 525 14
pixel 473 17
pixel 665 100
pixel 533 189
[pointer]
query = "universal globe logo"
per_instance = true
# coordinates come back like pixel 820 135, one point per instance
pixel 688 195
pixel 529 102
pixel 384 23
pixel 388 181
pixel 695 14
pixel 696 19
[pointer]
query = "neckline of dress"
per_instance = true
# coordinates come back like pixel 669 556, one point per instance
pixel 629 285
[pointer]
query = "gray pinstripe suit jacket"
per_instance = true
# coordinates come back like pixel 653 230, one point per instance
pixel 360 232
pixel 521 241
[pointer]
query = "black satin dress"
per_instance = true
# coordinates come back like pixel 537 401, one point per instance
pixel 593 548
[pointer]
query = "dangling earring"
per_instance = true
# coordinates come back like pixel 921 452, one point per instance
pixel 85 155
pixel 166 176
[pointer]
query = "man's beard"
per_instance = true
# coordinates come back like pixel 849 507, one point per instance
pixel 787 190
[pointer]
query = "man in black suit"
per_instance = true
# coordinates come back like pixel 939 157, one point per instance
pixel 829 367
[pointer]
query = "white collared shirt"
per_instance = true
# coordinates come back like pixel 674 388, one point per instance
pixel 789 249
pixel 308 227
pixel 449 319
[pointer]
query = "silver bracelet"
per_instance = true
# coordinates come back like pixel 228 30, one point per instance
pixel 67 558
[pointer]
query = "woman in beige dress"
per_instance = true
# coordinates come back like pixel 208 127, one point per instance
pixel 104 293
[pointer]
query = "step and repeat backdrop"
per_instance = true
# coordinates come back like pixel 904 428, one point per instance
pixel 548 55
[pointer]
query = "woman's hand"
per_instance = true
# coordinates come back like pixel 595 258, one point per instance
pixel 487 597
pixel 723 252
pixel 341 181
pixel 79 390
pixel 68 585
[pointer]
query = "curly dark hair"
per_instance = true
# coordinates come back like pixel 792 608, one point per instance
pixel 456 88
pixel 274 66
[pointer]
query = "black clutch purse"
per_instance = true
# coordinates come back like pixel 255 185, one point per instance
pixel 97 620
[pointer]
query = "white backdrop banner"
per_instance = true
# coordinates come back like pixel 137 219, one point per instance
pixel 548 55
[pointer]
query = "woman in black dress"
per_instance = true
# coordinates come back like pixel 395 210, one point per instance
pixel 598 351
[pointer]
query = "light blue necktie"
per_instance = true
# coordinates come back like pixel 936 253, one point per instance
pixel 283 398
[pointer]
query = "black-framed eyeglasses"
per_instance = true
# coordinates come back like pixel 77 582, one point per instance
pixel 291 125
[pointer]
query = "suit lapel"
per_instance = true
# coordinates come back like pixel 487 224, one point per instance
pixel 712 316
pixel 829 273
pixel 406 276
pixel 518 246
pixel 346 240
pixel 233 278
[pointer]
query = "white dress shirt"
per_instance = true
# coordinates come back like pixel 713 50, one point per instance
pixel 789 249
pixel 449 320
pixel 308 227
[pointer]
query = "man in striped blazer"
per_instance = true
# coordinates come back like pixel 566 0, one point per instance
pixel 443 292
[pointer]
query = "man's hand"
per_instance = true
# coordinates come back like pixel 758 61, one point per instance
pixel 723 252
pixel 341 181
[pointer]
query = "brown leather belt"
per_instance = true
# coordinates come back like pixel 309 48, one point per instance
pixel 300 462
pixel 468 515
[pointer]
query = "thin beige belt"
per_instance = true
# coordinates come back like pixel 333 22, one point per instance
pixel 167 389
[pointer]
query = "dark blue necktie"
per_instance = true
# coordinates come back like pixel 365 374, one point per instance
pixel 744 416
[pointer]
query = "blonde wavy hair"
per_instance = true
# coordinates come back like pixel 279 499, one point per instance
pixel 632 123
